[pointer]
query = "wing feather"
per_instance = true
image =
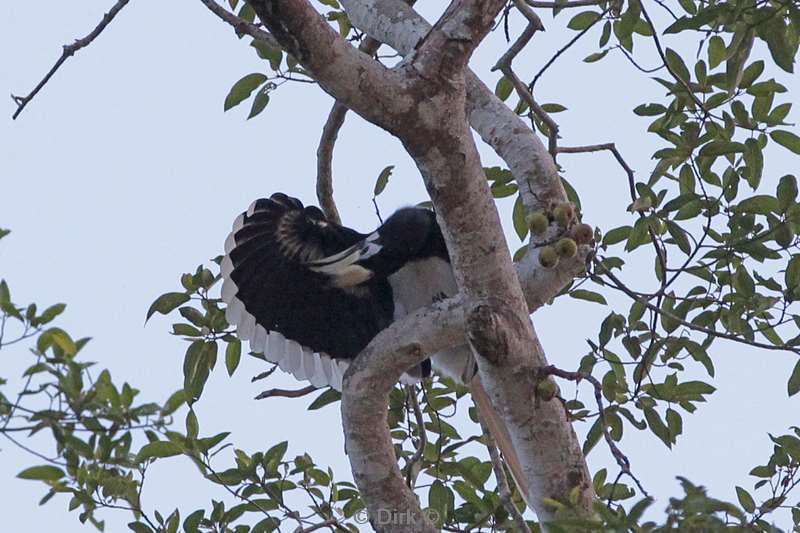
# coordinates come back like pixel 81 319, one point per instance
pixel 293 315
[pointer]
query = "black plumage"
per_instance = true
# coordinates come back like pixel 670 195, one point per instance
pixel 310 294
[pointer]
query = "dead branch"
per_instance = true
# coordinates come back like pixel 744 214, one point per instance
pixel 67 52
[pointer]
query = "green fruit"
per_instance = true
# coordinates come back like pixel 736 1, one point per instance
pixel 583 234
pixel 563 214
pixel 548 257
pixel 537 222
pixel 546 390
pixel 566 248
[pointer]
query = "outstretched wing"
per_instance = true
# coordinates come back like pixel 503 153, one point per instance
pixel 293 315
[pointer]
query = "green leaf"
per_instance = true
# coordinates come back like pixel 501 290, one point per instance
pixel 589 296
pixel 266 526
pixel 781 42
pixel 192 425
pixel 50 314
pixel 200 358
pixel 597 56
pixel 657 426
pixel 383 180
pixel 787 192
pixel 503 88
pixel 650 110
pixel 581 21
pixel 794 380
pixel 265 51
pixel 173 403
pixel 716 148
pixel 158 449
pixel 761 204
pixel 42 473
pixel 328 396
pixel 4 232
pixel 440 499
pixel 166 303
pixel 233 354
pixel 745 500
pixel 243 88
pixel 139 527
pixel 57 337
pixel 716 51
pixel 792 274
pixel 260 101
pixel 616 235
pixel 676 64
pixel 518 218
pixel 787 139
pixel 553 108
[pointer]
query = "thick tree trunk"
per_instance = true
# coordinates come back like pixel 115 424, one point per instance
pixel 424 102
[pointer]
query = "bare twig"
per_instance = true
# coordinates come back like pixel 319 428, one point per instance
pixel 565 48
pixel 621 459
pixel 619 285
pixel 411 474
pixel 326 143
pixel 66 53
pixel 503 490
pixel 283 393
pixel 504 65
pixel 324 158
pixel 241 26
pixel 611 147
pixel 684 83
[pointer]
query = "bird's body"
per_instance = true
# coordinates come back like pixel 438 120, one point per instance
pixel 310 294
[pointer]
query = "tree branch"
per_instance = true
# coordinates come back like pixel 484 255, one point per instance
pixel 67 52
pixel 241 26
pixel 286 393
pixel 397 25
pixel 428 114
pixel 446 48
pixel 365 398
pixel 356 80
pixel 326 143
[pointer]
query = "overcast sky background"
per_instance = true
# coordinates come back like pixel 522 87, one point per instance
pixel 125 172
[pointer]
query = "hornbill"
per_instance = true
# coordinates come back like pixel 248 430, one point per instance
pixel 310 294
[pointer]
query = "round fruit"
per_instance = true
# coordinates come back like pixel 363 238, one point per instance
pixel 566 248
pixel 548 257
pixel 583 234
pixel 563 214
pixel 537 222
pixel 546 390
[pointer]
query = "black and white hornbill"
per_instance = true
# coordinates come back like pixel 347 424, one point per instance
pixel 310 294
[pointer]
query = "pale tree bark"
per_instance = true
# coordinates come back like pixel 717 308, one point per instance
pixel 424 102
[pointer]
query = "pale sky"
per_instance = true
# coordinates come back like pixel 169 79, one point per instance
pixel 125 173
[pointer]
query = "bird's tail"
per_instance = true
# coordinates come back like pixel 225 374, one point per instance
pixel 499 431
